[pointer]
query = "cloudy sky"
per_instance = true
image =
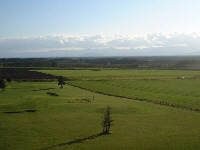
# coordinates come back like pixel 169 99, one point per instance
pixel 43 25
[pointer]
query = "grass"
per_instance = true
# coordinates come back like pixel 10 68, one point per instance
pixel 175 91
pixel 171 86
pixel 64 123
pixel 122 74
pixel 61 122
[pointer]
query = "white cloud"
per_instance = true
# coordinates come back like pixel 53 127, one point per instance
pixel 141 47
pixel 180 45
pixel 72 42
pixel 61 41
pixel 122 47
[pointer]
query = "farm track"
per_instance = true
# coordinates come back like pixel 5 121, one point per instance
pixel 139 99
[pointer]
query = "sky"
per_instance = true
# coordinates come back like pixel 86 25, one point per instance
pixel 42 25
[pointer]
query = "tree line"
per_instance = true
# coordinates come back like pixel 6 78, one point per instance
pixel 156 62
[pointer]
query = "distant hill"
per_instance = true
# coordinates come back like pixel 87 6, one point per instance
pixel 110 52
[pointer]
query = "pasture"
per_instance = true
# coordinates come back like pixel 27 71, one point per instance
pixel 122 74
pixel 62 122
pixel 173 87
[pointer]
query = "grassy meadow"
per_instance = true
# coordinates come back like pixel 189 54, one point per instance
pixel 171 86
pixel 122 74
pixel 62 122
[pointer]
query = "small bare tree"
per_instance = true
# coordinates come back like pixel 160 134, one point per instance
pixel 106 121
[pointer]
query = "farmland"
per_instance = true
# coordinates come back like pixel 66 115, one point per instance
pixel 91 74
pixel 178 88
pixel 62 122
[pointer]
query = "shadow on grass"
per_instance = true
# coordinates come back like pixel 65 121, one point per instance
pixel 41 89
pixel 14 112
pixel 75 141
pixel 52 94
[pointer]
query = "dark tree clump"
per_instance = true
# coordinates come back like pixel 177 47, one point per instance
pixel 8 79
pixel 106 122
pixel 2 85
pixel 61 81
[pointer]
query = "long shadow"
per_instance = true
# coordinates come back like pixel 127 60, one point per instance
pixel 52 94
pixel 41 89
pixel 25 111
pixel 75 141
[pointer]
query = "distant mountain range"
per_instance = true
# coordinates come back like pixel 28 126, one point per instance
pixel 106 52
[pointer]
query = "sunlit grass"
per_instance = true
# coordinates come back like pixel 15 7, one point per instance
pixel 122 74
pixel 62 122
pixel 180 92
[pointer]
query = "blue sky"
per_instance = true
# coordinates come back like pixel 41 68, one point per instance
pixel 41 18
pixel 21 18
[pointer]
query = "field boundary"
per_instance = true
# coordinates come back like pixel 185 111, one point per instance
pixel 138 99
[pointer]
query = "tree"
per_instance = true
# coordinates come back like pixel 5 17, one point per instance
pixel 54 64
pixel 61 81
pixel 106 122
pixel 9 80
pixel 2 85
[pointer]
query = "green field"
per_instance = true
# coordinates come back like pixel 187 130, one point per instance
pixel 62 122
pixel 174 86
pixel 122 74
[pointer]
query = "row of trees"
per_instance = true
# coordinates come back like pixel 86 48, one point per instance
pixel 156 62
pixel 28 62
